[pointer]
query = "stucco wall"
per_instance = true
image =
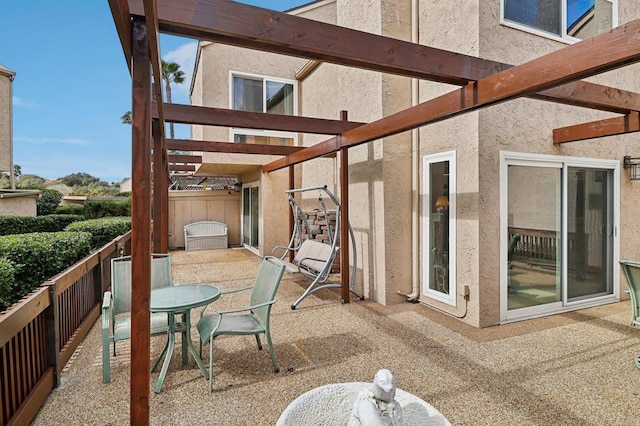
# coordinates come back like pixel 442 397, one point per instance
pixel 5 122
pixel 459 33
pixel 274 211
pixel 323 11
pixel 526 125
pixel 216 62
pixel 18 206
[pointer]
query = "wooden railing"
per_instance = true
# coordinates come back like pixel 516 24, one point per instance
pixel 534 243
pixel 40 333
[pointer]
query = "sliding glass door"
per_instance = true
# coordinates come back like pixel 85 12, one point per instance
pixel 250 216
pixel 590 230
pixel 559 239
pixel 534 235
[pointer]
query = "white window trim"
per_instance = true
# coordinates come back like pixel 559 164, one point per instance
pixel 451 298
pixel 255 132
pixel 541 160
pixel 263 78
pixel 561 38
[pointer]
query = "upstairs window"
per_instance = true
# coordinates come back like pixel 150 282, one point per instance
pixel 568 20
pixel 263 94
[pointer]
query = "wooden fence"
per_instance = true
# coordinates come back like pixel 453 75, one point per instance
pixel 40 333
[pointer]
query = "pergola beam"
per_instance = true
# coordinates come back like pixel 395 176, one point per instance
pixel 604 52
pixel 250 27
pixel 182 167
pixel 592 96
pixel 122 20
pixel 182 158
pixel 597 129
pixel 230 147
pixel 187 114
pixel 151 19
pixel 262 29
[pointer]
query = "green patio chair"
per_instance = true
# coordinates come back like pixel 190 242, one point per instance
pixel 255 320
pixel 631 271
pixel 116 305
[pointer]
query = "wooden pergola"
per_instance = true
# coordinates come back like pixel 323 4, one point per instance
pixel 554 77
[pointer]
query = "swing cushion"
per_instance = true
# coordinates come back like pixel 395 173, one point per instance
pixel 313 256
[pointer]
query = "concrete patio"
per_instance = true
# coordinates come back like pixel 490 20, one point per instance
pixel 570 369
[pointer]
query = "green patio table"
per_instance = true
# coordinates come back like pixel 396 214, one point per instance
pixel 179 300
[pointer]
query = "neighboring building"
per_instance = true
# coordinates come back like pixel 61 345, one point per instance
pixel 6 120
pixel 12 202
pixel 125 185
pixel 18 202
pixel 480 216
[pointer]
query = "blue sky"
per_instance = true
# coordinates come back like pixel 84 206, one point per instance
pixel 72 85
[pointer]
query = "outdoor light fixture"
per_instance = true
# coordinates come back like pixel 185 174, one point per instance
pixel 237 187
pixel 633 164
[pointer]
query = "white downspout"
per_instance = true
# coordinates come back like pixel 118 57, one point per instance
pixel 415 169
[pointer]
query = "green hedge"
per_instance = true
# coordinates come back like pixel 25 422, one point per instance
pixel 99 208
pixel 10 225
pixel 106 208
pixel 7 278
pixel 102 230
pixel 38 256
pixel 71 209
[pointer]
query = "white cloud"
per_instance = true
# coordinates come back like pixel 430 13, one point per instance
pixel 185 56
pixel 26 103
pixel 50 141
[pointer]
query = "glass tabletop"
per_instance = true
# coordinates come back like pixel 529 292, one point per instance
pixel 180 297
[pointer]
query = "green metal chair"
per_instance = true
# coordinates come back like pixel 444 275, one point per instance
pixel 631 271
pixel 256 319
pixel 116 304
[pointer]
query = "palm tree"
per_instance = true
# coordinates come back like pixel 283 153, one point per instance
pixel 126 118
pixel 170 74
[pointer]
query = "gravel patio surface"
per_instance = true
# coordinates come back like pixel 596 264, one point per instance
pixel 570 369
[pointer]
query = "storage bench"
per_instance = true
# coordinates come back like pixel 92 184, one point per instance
pixel 205 235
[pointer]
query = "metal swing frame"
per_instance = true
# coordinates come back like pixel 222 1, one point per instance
pixel 307 262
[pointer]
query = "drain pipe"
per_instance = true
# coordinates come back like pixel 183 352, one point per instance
pixel 415 168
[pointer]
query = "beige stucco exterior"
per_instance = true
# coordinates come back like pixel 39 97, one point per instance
pixel 6 102
pixel 18 202
pixel 384 199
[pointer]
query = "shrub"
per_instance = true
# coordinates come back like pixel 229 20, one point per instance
pixel 7 272
pixel 76 209
pixel 48 201
pixel 26 224
pixel 38 256
pixel 102 230
pixel 104 208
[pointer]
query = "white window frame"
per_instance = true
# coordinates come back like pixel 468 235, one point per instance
pixel 264 79
pixel 561 162
pixel 564 38
pixel 451 298
pixel 257 132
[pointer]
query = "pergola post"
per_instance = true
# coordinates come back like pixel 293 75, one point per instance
pixel 141 225
pixel 160 192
